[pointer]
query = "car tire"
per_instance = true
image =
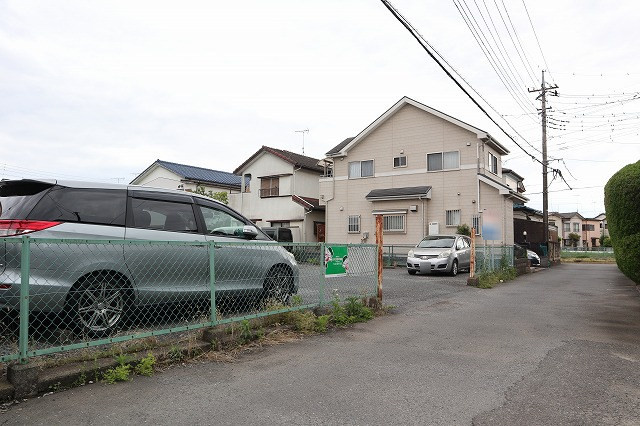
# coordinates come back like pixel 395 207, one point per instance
pixel 278 284
pixel 98 304
pixel 411 271
pixel 454 268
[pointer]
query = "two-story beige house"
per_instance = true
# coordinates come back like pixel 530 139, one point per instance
pixel 282 191
pixel 424 171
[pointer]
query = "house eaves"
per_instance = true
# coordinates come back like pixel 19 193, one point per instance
pixel 296 160
pixel 406 193
pixel 342 148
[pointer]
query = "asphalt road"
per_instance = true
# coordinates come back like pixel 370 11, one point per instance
pixel 561 346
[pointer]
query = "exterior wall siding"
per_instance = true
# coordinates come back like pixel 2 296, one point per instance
pixel 413 133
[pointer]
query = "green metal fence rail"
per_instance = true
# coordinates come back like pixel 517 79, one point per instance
pixel 59 294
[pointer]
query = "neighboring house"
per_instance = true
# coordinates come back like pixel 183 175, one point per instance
pixel 282 190
pixel 164 174
pixel 593 229
pixel 571 223
pixel 425 172
pixel 528 228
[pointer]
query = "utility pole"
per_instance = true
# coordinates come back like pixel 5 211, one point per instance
pixel 545 190
pixel 303 132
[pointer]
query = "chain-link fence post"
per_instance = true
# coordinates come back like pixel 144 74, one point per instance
pixel 322 275
pixel 23 339
pixel 212 282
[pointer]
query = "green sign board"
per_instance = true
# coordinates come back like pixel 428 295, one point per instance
pixel 336 260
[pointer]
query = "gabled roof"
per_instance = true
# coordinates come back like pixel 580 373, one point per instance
pixel 197 174
pixel 297 160
pixel 343 147
pixel 568 215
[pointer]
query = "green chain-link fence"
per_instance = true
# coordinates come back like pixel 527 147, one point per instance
pixel 59 295
pixel 491 258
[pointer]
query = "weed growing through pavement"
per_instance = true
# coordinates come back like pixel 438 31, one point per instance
pixel 145 365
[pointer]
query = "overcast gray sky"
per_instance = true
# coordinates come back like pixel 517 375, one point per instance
pixel 99 90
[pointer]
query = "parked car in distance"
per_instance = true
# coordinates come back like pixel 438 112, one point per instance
pixel 279 234
pixel 532 256
pixel 440 253
pixel 98 285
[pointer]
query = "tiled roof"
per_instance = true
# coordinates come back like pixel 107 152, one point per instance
pixel 298 160
pixel 200 174
pixel 308 202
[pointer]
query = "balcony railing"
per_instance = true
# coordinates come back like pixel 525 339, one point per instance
pixel 270 192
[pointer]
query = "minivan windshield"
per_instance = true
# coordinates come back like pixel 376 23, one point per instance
pixel 437 242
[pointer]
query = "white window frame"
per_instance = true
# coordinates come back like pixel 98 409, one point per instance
pixel 387 219
pixel 442 169
pixel 450 214
pixel 493 161
pixel 353 227
pixel 476 222
pixel 399 158
pixel 373 169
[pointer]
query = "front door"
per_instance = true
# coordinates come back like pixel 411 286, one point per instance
pixel 320 228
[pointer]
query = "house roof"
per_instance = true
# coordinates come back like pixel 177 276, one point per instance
pixel 297 160
pixel 198 174
pixel 568 215
pixel 343 147
pixel 308 202
pixel 400 193
pixel 511 172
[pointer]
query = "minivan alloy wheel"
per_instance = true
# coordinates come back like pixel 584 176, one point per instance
pixel 100 304
pixel 278 284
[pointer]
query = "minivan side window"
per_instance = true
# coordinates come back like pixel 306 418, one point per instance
pixel 84 205
pixel 219 222
pixel 163 215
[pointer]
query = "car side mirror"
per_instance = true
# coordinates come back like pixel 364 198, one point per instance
pixel 249 232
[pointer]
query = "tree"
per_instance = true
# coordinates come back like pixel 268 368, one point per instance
pixel 574 238
pixel 622 205
pixel 605 241
pixel 223 197
pixel 464 230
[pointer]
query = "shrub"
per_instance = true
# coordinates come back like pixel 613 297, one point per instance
pixel 621 195
pixel 464 230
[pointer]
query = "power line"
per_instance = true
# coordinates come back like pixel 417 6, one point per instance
pixel 414 33
pixel 538 41
pixel 531 72
pixel 511 89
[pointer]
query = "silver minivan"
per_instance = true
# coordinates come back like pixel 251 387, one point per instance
pixel 97 284
pixel 440 253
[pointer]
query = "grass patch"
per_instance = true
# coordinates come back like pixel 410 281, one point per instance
pixel 487 279
pixel 588 256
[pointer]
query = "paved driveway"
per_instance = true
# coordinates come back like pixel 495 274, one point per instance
pixel 557 347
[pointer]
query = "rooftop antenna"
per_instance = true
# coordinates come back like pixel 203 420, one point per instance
pixel 303 132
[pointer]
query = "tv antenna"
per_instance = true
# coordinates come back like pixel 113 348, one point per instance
pixel 303 132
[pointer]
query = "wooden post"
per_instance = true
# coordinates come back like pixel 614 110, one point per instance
pixel 473 280
pixel 379 243
pixel 472 265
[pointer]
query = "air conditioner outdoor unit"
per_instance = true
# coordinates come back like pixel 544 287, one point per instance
pixel 434 228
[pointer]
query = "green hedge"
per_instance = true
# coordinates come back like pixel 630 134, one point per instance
pixel 622 205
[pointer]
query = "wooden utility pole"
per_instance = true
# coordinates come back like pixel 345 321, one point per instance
pixel 379 242
pixel 545 190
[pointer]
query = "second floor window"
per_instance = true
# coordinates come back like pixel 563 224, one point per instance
pixel 443 161
pixel 566 227
pixel 358 169
pixel 576 227
pixel 269 187
pixel 493 164
pixel 400 161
